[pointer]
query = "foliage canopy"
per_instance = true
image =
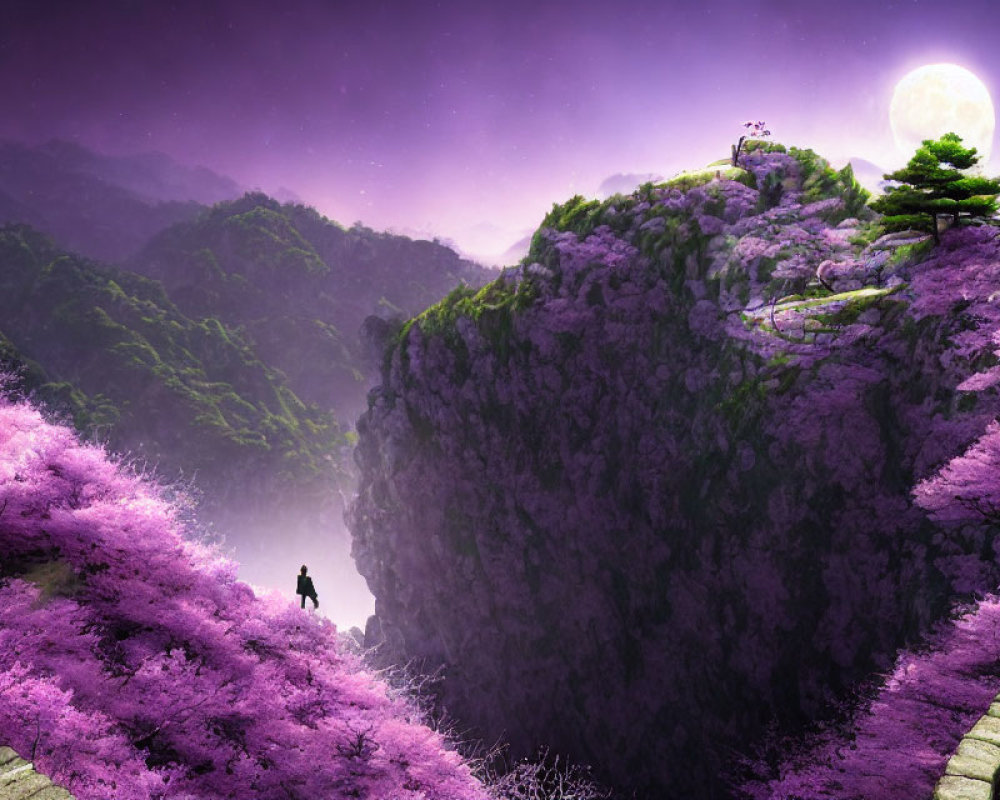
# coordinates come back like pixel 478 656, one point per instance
pixel 933 183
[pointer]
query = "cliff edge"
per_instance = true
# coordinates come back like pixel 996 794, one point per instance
pixel 667 464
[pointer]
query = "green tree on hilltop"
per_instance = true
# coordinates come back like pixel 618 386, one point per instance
pixel 932 183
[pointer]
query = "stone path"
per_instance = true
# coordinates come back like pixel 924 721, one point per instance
pixel 19 781
pixel 826 303
pixel 973 771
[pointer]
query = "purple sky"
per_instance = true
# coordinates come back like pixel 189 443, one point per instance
pixel 462 118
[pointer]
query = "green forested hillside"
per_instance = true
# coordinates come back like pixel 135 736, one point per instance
pixel 235 355
pixel 109 348
pixel 300 286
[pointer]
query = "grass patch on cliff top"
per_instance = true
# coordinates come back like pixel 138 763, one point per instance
pixel 491 308
pixel 699 177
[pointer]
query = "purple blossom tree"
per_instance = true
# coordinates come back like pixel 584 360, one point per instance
pixel 968 486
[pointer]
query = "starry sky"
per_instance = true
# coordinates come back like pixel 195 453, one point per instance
pixel 462 118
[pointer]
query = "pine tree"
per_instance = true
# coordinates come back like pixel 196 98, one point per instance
pixel 932 183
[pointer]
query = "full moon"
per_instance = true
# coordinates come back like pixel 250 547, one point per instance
pixel 938 98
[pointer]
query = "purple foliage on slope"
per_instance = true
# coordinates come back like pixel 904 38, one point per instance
pixel 965 275
pixel 134 665
pixel 967 486
pixel 897 743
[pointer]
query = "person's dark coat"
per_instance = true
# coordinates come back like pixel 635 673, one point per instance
pixel 305 587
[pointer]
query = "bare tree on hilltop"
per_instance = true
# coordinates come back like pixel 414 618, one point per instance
pixel 755 130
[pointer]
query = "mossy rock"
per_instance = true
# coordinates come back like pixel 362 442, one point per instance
pixel 975 759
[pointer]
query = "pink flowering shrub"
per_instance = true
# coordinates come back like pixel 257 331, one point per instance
pixel 133 665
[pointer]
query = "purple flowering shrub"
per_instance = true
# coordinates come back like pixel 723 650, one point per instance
pixel 968 486
pixel 895 744
pixel 133 665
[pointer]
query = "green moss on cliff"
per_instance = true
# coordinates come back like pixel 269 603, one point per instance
pixel 819 181
pixel 492 308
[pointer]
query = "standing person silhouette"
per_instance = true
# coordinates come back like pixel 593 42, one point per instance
pixel 306 589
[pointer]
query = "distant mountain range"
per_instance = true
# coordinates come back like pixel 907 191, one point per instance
pixel 110 349
pixel 221 326
pixel 300 286
pixel 868 174
pixel 625 183
pixel 154 176
pixel 102 206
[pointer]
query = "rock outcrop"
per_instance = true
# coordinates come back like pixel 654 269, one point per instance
pixel 19 781
pixel 650 492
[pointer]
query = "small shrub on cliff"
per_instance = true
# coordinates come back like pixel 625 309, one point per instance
pixel 755 130
pixel 547 777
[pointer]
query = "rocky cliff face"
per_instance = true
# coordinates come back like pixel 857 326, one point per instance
pixel 651 490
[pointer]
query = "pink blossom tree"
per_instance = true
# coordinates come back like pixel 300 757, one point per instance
pixel 133 664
